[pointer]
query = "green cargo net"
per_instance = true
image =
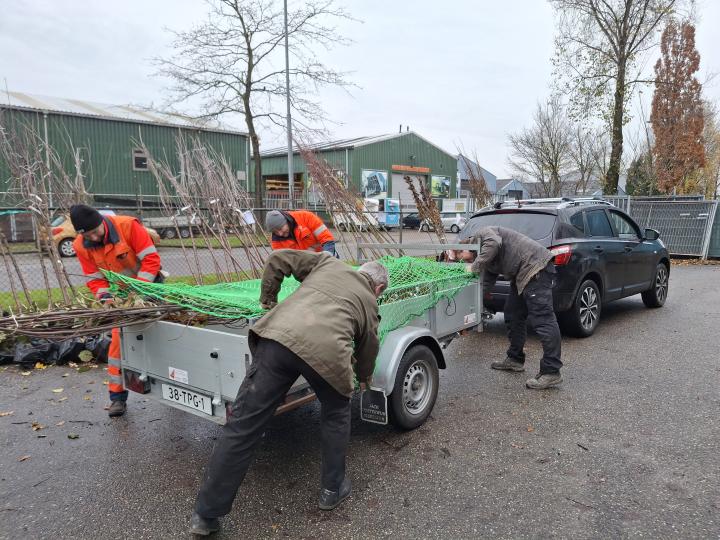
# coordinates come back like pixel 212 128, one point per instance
pixel 416 285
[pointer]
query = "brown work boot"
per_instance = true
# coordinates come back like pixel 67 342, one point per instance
pixel 541 381
pixel 509 364
pixel 117 408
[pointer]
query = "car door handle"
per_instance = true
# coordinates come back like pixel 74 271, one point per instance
pixel 598 249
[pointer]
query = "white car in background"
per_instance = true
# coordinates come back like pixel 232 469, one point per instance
pixel 453 224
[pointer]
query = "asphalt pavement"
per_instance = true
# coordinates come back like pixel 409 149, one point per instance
pixel 627 447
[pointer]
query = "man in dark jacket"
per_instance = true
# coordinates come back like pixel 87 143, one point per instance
pixel 319 332
pixel 529 268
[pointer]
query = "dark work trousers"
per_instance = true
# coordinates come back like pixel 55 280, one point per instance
pixel 273 371
pixel 535 305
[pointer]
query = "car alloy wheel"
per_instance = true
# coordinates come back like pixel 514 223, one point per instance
pixel 661 283
pixel 589 308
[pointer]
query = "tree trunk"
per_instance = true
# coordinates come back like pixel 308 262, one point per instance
pixel 257 159
pixel 613 174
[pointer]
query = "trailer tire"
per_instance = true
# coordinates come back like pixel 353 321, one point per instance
pixel 416 388
pixel 184 233
pixel 169 234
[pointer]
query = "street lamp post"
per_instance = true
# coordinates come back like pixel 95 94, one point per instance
pixel 291 176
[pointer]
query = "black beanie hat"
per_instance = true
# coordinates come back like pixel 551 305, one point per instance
pixel 84 218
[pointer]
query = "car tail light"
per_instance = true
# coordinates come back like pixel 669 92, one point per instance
pixel 135 383
pixel 57 230
pixel 562 254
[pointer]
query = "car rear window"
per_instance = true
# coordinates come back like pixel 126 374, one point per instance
pixel 598 224
pixel 57 221
pixel 532 224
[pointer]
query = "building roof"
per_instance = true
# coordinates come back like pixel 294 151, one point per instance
pixel 342 144
pixel 125 113
pixel 510 184
pixel 467 165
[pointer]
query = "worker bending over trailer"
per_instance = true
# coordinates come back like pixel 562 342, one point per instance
pixel 319 332
pixel 123 245
pixel 529 268
pixel 299 229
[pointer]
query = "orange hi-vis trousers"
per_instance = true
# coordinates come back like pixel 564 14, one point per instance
pixel 117 390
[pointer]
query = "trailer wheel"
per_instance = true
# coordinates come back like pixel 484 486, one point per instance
pixel 184 233
pixel 416 387
pixel 169 234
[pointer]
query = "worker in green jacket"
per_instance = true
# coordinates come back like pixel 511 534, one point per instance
pixel 323 330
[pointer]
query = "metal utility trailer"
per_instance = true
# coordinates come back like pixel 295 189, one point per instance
pixel 200 369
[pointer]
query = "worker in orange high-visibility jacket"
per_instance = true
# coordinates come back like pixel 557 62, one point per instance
pixel 299 229
pixel 123 245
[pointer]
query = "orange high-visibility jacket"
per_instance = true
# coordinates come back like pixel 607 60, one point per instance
pixel 127 249
pixel 307 232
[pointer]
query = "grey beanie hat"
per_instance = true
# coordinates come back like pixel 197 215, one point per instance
pixel 274 220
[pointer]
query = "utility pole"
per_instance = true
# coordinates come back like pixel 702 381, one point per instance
pixel 291 175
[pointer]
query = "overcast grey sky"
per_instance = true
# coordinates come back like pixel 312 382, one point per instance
pixel 460 72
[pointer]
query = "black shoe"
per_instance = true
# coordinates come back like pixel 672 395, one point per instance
pixel 203 526
pixel 331 499
pixel 117 408
pixel 509 364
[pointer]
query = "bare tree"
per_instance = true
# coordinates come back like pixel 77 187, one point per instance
pixel 600 45
pixel 542 152
pixel 582 154
pixel 233 63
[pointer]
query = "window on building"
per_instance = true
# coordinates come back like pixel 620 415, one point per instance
pixel 140 160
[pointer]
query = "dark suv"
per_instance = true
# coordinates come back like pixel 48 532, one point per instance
pixel 600 255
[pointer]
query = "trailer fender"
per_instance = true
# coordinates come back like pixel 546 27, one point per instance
pixel 394 347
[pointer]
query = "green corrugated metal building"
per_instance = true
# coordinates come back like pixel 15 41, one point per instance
pixel 107 136
pixel 372 166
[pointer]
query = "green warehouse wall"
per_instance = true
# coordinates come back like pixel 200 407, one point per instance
pixel 407 150
pixel 106 148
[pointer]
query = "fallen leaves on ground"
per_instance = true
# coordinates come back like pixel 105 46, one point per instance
pixel 62 399
pixel 106 382
pixel 515 445
pixel 57 390
pixel 73 436
pixel 72 364
pixel 62 423
pixel 40 365
pixel 23 458
pixel 87 398
pixel 37 426
pixel 25 373
pixel 83 369
pixel 530 429
pixel 66 374
pixel 8 413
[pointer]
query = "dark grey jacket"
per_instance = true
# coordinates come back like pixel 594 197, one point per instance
pixel 508 253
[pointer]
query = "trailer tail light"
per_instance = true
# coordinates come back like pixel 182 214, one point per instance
pixel 562 254
pixel 56 230
pixel 135 383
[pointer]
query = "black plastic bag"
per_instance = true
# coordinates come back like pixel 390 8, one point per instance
pixel 98 346
pixel 38 350
pixel 68 351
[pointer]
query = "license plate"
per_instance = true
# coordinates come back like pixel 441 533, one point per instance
pixel 373 406
pixel 189 399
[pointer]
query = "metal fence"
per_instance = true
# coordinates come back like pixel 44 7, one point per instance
pixel 685 224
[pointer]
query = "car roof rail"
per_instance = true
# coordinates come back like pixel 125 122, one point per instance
pixel 561 202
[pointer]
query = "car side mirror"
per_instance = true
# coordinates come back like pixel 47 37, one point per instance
pixel 651 234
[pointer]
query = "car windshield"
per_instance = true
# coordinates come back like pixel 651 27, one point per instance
pixel 57 221
pixel 535 225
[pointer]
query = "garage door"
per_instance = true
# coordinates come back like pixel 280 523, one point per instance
pixel 400 189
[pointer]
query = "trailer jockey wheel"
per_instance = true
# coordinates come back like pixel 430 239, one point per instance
pixel 416 387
